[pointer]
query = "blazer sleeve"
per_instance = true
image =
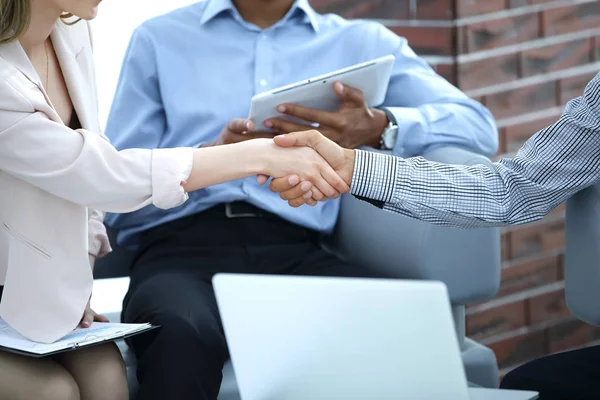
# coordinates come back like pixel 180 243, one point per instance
pixel 83 167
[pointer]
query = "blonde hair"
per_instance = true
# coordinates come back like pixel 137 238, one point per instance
pixel 15 16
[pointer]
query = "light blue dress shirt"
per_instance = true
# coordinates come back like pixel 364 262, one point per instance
pixel 187 73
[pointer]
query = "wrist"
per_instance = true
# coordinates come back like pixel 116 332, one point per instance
pixel 257 155
pixel 380 123
pixel 349 160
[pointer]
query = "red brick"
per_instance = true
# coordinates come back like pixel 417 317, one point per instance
pixel 516 135
pixel 557 57
pixel 528 275
pixel 430 41
pixel 538 237
pixel 579 17
pixel 570 88
pixel 519 349
pixel 567 335
pixel 596 48
pixel 389 9
pixel 517 3
pixel 467 8
pixel 547 307
pixel 505 246
pixel 497 33
pixel 529 98
pixel 447 71
pixel 496 320
pixel 435 9
pixel 477 74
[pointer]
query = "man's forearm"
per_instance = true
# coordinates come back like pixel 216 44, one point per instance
pixel 553 165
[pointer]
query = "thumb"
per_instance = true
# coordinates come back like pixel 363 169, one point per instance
pixel 305 138
pixel 328 149
pixel 239 125
pixel 348 94
pixel 88 318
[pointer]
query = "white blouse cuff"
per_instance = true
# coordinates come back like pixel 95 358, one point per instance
pixel 170 167
pixel 99 245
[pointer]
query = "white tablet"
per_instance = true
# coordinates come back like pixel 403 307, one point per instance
pixel 371 77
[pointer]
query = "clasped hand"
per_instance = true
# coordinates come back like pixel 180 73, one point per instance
pixel 303 186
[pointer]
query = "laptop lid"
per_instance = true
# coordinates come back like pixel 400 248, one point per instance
pixel 299 338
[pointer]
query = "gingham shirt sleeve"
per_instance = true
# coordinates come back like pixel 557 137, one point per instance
pixel 554 164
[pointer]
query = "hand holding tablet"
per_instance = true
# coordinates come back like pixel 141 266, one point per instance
pixel 371 78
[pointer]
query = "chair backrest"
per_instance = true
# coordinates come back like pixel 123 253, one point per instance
pixel 466 260
pixel 582 259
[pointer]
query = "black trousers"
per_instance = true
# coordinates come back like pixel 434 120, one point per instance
pixel 171 286
pixel 572 375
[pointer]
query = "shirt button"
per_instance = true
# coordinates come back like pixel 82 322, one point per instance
pixel 263 83
pixel 264 37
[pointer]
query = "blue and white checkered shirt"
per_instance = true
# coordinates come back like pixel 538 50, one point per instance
pixel 554 164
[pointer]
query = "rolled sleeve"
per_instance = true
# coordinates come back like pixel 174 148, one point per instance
pixel 374 176
pixel 170 167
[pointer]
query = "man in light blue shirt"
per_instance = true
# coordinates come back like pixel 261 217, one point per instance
pixel 187 80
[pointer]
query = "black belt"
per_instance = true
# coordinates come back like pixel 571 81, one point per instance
pixel 224 211
pixel 234 210
pixel 237 209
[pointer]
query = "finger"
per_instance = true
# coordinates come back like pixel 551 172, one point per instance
pixel 316 194
pixel 311 202
pixel 299 190
pixel 311 115
pixel 310 138
pixel 348 93
pixel 262 179
pixel 239 125
pixel 100 318
pixel 88 318
pixel 300 201
pixel 285 183
pixel 283 126
pixel 335 181
pixel 326 189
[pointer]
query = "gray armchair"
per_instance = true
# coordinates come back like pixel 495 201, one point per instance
pixel 582 259
pixel 467 261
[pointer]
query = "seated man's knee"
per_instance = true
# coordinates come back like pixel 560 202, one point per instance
pixel 524 377
pixel 183 337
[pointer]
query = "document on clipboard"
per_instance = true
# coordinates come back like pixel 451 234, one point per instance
pixel 99 332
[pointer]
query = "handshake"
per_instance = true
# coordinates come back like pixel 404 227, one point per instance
pixel 306 167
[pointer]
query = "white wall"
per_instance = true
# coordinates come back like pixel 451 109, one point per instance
pixel 112 30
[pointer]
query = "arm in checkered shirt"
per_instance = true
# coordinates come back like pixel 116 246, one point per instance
pixel 554 164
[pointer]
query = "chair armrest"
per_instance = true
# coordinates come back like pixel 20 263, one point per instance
pixel 467 261
pixel 582 258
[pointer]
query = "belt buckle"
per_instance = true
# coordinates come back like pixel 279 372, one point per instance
pixel 231 214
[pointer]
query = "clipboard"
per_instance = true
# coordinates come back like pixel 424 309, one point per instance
pixel 99 333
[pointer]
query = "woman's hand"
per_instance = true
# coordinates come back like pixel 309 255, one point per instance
pixel 89 316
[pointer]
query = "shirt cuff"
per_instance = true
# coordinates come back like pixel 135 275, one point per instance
pixel 412 129
pixel 170 167
pixel 99 245
pixel 374 176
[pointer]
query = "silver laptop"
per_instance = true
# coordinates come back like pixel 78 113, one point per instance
pixel 299 338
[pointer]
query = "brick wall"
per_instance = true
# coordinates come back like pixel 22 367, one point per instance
pixel 523 59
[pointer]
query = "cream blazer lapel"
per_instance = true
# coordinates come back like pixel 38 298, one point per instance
pixel 74 56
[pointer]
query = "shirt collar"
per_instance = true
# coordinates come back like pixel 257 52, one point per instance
pixel 216 7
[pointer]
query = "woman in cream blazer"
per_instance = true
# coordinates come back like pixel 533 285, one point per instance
pixel 58 176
